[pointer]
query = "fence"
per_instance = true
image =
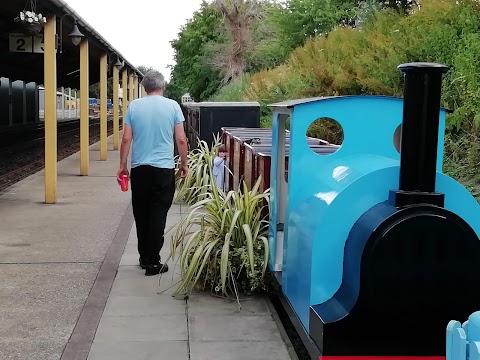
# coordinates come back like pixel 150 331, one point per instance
pixel 463 340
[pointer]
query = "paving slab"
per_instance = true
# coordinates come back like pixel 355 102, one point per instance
pixel 204 304
pixel 238 350
pixel 173 218
pixel 142 328
pixel 144 306
pixel 233 328
pixel 131 281
pixel 139 350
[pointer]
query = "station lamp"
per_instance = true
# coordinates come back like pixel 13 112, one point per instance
pixel 76 35
pixel 119 64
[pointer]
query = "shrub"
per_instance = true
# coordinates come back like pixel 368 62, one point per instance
pixel 228 254
pixel 197 183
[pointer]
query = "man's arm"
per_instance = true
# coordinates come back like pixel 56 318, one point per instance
pixel 180 139
pixel 181 143
pixel 125 146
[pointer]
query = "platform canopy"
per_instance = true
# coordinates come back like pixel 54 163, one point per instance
pixel 22 54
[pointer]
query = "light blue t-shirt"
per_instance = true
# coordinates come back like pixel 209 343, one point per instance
pixel 152 119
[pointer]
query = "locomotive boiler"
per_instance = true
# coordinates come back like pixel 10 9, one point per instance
pixel 374 247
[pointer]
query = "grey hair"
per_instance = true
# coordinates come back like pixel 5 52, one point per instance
pixel 153 81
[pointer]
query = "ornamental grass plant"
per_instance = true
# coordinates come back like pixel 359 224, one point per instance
pixel 196 184
pixel 222 244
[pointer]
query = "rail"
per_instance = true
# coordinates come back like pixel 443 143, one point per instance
pixel 29 150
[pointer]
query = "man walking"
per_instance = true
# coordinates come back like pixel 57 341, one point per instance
pixel 149 128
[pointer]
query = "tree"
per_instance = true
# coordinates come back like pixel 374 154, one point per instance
pixel 402 6
pixel 94 89
pixel 173 91
pixel 192 71
pixel 298 20
pixel 144 69
pixel 238 16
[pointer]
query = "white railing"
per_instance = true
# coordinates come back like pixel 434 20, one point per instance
pixel 63 114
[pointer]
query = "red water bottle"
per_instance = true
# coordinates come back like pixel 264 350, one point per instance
pixel 123 181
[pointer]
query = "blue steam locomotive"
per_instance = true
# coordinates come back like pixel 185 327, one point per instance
pixel 375 248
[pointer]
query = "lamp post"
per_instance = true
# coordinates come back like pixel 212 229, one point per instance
pixel 119 64
pixel 75 34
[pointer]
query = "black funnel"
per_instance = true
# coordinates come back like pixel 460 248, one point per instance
pixel 419 140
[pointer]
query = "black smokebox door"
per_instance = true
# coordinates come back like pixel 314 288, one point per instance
pixel 416 273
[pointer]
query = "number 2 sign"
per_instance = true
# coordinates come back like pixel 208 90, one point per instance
pixel 20 43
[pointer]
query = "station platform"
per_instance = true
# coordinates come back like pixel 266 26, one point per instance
pixel 72 287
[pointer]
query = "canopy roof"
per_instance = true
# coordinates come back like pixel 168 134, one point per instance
pixel 29 66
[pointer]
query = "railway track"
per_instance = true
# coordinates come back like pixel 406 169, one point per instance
pixel 11 136
pixel 23 138
pixel 26 158
pixel 20 173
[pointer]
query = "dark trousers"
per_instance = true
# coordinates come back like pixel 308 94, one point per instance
pixel 152 196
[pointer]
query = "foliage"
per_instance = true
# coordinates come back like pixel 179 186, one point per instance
pixel 94 89
pixel 364 61
pixel 196 185
pixel 174 91
pixel 144 69
pixel 326 129
pixel 228 254
pixel 192 72
pixel 299 20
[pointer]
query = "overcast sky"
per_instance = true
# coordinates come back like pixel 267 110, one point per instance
pixel 140 30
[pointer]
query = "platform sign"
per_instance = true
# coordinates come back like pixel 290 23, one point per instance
pixel 20 43
pixel 38 44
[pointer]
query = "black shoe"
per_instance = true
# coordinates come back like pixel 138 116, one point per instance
pixel 143 265
pixel 156 269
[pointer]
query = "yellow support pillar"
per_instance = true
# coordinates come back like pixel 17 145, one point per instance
pixel 124 94
pixel 84 116
pixel 135 87
pixel 50 83
pixel 116 120
pixel 131 86
pixel 103 106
